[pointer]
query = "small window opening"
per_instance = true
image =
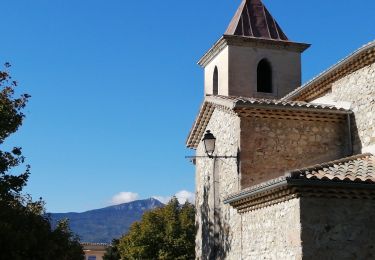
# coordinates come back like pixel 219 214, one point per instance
pixel 215 89
pixel 264 77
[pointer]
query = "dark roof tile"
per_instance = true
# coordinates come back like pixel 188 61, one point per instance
pixel 252 19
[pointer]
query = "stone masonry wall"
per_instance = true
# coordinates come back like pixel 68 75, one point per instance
pixel 357 89
pixel 338 228
pixel 218 224
pixel 270 147
pixel 221 62
pixel 242 69
pixel 273 232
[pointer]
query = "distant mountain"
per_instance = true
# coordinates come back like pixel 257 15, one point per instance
pixel 102 225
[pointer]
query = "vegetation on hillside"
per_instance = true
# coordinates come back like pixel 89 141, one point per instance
pixel 103 225
pixel 163 233
pixel 25 232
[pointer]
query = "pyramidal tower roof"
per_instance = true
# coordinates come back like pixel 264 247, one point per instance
pixel 252 19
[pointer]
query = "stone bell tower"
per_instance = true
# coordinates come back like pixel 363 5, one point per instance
pixel 254 57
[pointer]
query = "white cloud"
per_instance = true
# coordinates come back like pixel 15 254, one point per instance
pixel 162 199
pixel 182 197
pixel 124 197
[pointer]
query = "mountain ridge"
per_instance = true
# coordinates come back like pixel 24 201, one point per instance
pixel 104 224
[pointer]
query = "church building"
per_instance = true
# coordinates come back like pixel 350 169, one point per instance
pixel 283 170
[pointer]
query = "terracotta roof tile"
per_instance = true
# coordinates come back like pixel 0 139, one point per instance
pixel 240 104
pixel 359 168
pixel 355 169
pixel 94 244
pixel 247 101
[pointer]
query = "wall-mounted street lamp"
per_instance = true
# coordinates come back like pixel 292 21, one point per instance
pixel 209 141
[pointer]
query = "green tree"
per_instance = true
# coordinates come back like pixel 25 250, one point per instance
pixel 25 231
pixel 163 233
pixel 112 252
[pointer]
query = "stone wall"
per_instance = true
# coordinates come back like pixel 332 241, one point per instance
pixel 237 71
pixel 243 63
pixel 218 224
pixel 273 232
pixel 221 62
pixel 338 228
pixel 270 147
pixel 357 89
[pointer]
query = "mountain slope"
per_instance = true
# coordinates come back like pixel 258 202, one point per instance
pixel 102 225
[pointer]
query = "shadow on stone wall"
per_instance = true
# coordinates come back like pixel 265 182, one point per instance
pixel 206 224
pixel 356 140
pixel 215 236
pixel 222 243
pixel 337 228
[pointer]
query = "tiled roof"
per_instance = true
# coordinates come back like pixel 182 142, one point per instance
pixel 322 83
pixel 246 101
pixel 252 26
pixel 252 19
pixel 360 168
pixel 94 244
pixel 242 105
pixel 255 189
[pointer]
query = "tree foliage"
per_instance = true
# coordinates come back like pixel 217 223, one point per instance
pixel 112 252
pixel 163 233
pixel 25 231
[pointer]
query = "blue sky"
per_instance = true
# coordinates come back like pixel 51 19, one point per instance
pixel 115 86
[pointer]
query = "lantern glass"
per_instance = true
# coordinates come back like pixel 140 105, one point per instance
pixel 209 143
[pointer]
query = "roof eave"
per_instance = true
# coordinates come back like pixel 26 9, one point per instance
pixel 273 184
pixel 238 40
pixel 218 46
pixel 234 40
pixel 291 108
pixel 290 182
pixel 211 102
pixel 366 49
pixel 191 141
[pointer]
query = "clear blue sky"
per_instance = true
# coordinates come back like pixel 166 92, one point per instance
pixel 115 86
